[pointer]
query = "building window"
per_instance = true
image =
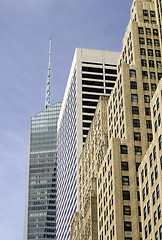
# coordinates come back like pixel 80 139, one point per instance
pixel 149 225
pixel 124 166
pixel 159 119
pixel 146 170
pixel 135 110
pixel 154 110
pixel 144 74
pixel 153 87
pixel 152 179
pixel 158 64
pixel 154 152
pixel 156 172
pixel 142 175
pixel 153 198
pixel 152 13
pixel 148 31
pixel 143 63
pixel 133 85
pixel 159 76
pixel 136 123
pixel 146 231
pixel 147 188
pixel 155 218
pixel 134 97
pixel 160 232
pixel 143 51
pixel 146 98
pixel 152 75
pixel 159 212
pixel 143 194
pixel 127 226
pixel 149 41
pixel 149 137
pixel 148 124
pixel 137 136
pixel 138 150
pixel 157 53
pixel 157 103
pixel 126 195
pixel 147 111
pixel 151 63
pixel 145 13
pixel 156 236
pixel 148 207
pixel 150 52
pixel 155 125
pixel 125 180
pixel 132 73
pixel 137 166
pixel 127 210
pixel 140 30
pixel 123 149
pixel 151 160
pixel 144 213
pixel 157 191
pixel 141 41
pixel 156 42
pixel 160 142
pixel 145 86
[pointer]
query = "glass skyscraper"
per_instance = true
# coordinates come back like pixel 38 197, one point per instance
pixel 40 219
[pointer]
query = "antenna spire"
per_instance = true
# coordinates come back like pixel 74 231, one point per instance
pixel 48 87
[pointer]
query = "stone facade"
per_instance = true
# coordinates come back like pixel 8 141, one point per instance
pixel 124 135
pixel 150 175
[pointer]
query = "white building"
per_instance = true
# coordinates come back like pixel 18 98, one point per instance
pixel 93 73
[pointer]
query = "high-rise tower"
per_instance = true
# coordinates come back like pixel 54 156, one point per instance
pixel 114 202
pixel 93 73
pixel 40 219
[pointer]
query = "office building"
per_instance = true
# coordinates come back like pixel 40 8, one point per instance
pixel 40 216
pixel 93 73
pixel 108 180
pixel 159 13
pixel 150 175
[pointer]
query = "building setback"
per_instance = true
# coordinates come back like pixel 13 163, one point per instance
pixel 110 190
pixel 93 73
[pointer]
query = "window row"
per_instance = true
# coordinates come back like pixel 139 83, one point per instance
pixel 148 31
pixel 150 52
pixel 151 63
pixel 135 111
pixel 149 42
pixel 147 13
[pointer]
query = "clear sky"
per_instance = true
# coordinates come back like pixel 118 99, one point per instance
pixel 25 29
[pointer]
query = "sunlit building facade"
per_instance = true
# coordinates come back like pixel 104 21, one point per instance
pixel 109 165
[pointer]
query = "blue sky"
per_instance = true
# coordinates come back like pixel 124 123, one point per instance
pixel 26 26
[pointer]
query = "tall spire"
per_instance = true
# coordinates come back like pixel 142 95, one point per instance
pixel 48 87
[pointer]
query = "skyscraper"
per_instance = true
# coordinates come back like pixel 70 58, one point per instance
pixel 40 218
pixel 120 138
pixel 93 73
